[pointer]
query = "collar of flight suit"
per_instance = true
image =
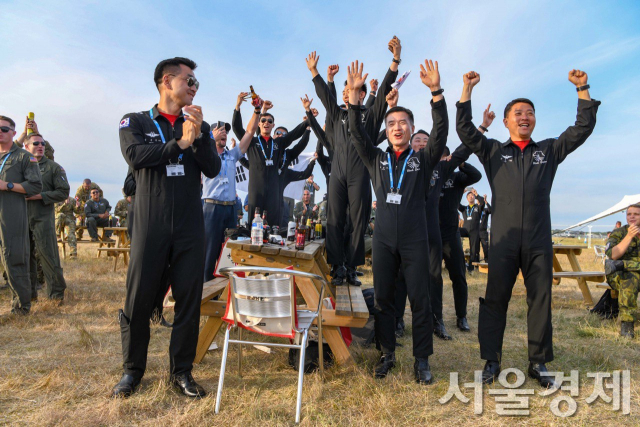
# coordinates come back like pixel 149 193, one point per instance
pixel 402 155
pixel 509 141
pixel 156 114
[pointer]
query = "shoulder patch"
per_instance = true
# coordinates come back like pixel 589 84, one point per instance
pixel 33 159
pixel 124 123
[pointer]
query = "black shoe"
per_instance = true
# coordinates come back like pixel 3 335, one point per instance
pixel 462 324
pixel 352 277
pixel 611 266
pixel 400 328
pixel 188 386
pixel 338 274
pixel 626 330
pixel 537 371
pixel 440 331
pixel 490 372
pixel 94 239
pixel 20 311
pixel 422 371
pixel 126 387
pixel 359 273
pixel 384 365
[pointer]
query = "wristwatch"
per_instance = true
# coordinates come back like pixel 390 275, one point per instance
pixel 397 61
pixel 9 186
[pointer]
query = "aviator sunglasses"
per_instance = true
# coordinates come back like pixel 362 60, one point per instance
pixel 263 120
pixel 191 81
pixel 5 129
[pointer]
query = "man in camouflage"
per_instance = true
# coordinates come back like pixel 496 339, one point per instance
pixel 623 268
pixel 66 217
pixel 122 210
pixel 83 194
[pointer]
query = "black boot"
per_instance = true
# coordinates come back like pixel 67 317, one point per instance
pixel 338 275
pixel 626 330
pixel 352 277
pixel 462 324
pixel 537 371
pixel 384 365
pixel 490 372
pixel 187 385
pixel 611 266
pixel 126 387
pixel 422 371
pixel 400 327
pixel 440 331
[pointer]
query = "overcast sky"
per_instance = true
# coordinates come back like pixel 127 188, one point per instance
pixel 80 66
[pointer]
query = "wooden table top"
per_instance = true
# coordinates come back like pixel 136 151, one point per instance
pixel 310 251
pixel 569 247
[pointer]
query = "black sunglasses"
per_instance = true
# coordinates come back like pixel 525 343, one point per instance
pixel 36 143
pixel 5 129
pixel 281 132
pixel 263 120
pixel 191 81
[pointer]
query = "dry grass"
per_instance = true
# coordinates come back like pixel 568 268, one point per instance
pixel 58 364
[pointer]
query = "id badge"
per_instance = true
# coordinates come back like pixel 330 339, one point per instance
pixel 469 218
pixel 175 170
pixel 269 162
pixel 394 198
pixel 224 180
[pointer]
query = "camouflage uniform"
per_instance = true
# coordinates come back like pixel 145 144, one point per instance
pixel 626 282
pixel 83 195
pixel 65 217
pixel 122 210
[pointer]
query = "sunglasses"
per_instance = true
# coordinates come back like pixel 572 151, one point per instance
pixel 5 129
pixel 36 143
pixel 281 133
pixel 95 192
pixel 263 120
pixel 191 81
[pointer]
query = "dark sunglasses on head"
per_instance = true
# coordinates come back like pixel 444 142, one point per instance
pixel 263 120
pixel 5 129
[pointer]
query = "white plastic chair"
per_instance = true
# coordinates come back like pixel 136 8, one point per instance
pixel 600 252
pixel 267 305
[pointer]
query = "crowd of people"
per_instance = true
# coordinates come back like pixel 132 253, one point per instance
pixel 181 197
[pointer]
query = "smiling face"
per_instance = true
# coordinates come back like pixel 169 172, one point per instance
pixel 177 86
pixel 95 195
pixel 471 198
pixel 399 130
pixel 633 216
pixel 520 121
pixel 266 125
pixel 419 141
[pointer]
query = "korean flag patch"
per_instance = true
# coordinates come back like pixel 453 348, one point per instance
pixel 124 123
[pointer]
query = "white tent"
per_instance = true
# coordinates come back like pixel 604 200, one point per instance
pixel 618 207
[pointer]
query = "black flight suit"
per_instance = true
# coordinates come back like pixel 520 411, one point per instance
pixel 349 188
pixel 452 253
pixel 484 225
pixel 263 180
pixel 167 229
pixel 471 216
pixel 17 166
pixel 520 183
pixel 42 229
pixel 400 236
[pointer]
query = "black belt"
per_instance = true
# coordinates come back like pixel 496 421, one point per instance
pixel 219 202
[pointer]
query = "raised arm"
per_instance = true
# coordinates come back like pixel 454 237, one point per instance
pixel 292 175
pixel 359 137
pixel 332 70
pixel 320 133
pixel 467 132
pixel 469 175
pixel 430 76
pixel 252 127
pixel 377 112
pixel 236 121
pixel 322 90
pixel 373 84
pixel 576 135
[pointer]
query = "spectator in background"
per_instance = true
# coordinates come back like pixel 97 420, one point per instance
pixel 83 194
pixel 33 126
pixel 97 212
pixel 239 210
pixel 312 187
pixel 305 208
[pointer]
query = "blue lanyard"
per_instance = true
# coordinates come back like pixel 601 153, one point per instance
pixel 401 173
pixel 469 213
pixel 5 161
pixel 262 148
pixel 160 130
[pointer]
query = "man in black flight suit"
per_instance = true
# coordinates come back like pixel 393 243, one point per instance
pixel 520 173
pixel 471 214
pixel 484 225
pixel 168 151
pixel 400 178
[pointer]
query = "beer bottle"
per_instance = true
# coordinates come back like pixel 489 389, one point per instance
pixel 254 97
pixel 300 235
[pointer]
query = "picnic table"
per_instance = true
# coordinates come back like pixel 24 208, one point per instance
pixel 576 273
pixel 122 246
pixel 350 308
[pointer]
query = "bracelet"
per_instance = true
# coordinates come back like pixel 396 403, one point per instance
pixel 581 88
pixel 256 111
pixel 437 92
pixel 483 128
pixel 397 61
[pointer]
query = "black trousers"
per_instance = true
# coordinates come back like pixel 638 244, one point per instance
pixel 435 273
pixel 387 260
pixel 537 269
pixel 453 256
pixel 352 194
pixel 484 241
pixel 474 248
pixel 180 246
pixel 401 295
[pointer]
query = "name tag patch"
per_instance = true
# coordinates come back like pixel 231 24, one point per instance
pixel 175 170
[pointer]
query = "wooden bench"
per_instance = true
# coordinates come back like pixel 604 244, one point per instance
pixel 62 239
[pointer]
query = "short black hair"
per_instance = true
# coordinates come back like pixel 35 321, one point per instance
pixel 170 65
pixel 420 131
pixel 268 114
pixel 362 89
pixel 446 151
pixel 399 110
pixel 281 127
pixel 7 119
pixel 516 101
pixel 86 181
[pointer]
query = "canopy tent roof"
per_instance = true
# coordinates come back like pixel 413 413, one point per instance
pixel 618 207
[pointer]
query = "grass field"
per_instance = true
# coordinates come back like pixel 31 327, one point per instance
pixel 58 365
